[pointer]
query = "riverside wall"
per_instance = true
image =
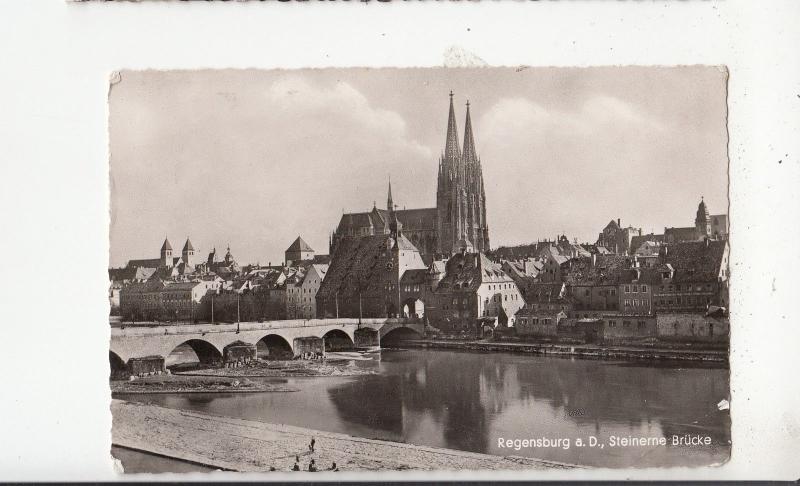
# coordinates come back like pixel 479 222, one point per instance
pixel 578 350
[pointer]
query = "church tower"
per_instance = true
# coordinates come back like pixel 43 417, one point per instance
pixel 166 254
pixel 460 197
pixel 389 202
pixel 702 222
pixel 187 254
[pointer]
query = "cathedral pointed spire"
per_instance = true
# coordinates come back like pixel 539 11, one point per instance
pixel 451 148
pixel 470 156
pixel 389 202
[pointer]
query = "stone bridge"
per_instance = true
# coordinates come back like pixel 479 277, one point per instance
pixel 212 342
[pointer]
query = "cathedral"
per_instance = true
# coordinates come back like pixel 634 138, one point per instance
pixel 459 219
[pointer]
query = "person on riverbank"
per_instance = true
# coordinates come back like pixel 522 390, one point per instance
pixel 311 466
pixel 296 466
pixel 311 445
pixel 333 467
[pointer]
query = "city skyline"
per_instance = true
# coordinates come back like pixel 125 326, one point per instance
pixel 218 156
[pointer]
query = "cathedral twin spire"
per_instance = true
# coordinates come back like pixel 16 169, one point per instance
pixel 460 196
pixel 455 159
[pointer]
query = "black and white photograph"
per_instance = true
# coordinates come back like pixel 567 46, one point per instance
pixel 419 269
pixel 368 241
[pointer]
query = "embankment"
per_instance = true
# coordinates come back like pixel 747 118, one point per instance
pixel 246 445
pixel 582 350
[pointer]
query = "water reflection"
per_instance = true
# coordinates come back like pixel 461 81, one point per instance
pixel 468 401
pixel 474 399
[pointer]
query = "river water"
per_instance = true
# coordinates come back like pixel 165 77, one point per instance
pixel 469 401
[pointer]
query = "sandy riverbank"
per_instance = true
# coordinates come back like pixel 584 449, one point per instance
pixel 247 445
pixel 257 369
pixel 195 384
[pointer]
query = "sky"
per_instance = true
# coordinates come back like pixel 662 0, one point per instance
pixel 254 158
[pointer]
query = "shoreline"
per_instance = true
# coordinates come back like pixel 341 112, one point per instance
pixel 180 384
pixel 284 369
pixel 228 443
pixel 586 351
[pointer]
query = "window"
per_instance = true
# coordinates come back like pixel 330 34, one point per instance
pixel 627 302
pixel 612 323
pixel 586 292
pixel 641 324
pixel 626 324
pixel 613 291
pixel 644 288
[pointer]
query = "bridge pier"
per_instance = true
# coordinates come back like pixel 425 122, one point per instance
pixel 366 338
pixel 309 345
pixel 146 366
pixel 238 353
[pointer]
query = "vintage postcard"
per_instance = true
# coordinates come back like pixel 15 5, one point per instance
pixel 491 268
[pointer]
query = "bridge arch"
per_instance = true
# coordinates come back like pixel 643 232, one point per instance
pixel 413 308
pixel 337 340
pixel 274 346
pixel 398 334
pixel 206 352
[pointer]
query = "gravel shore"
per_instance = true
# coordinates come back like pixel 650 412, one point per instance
pixel 195 384
pixel 247 445
pixel 284 369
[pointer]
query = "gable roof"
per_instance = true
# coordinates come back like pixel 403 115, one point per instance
pixel 470 270
pixel 145 262
pixel 606 271
pixel 638 241
pixel 681 234
pixel 353 266
pixel 411 219
pixel 542 293
pixel 696 261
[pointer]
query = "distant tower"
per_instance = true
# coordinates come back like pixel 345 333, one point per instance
pixel 702 222
pixel 166 254
pixel 298 251
pixel 389 202
pixel 188 253
pixel 395 226
pixel 228 256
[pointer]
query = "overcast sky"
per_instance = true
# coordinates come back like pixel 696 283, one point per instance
pixel 254 158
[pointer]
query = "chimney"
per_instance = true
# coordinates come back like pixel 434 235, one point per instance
pixel 618 223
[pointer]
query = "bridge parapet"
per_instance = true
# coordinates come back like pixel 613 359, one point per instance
pixel 134 342
pixel 208 327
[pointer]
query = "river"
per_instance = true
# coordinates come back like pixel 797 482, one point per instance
pixel 468 401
